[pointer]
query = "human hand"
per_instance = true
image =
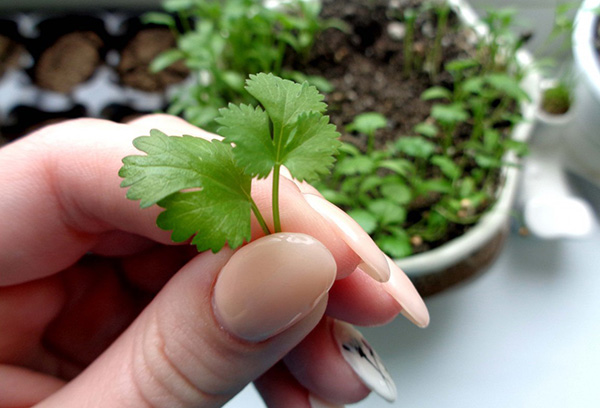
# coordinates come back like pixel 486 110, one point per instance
pixel 99 308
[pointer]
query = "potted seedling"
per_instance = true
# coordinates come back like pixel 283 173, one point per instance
pixel 436 191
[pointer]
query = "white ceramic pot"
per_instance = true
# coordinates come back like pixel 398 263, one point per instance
pixel 474 251
pixel 551 209
pixel 583 146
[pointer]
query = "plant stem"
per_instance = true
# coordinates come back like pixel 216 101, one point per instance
pixel 436 55
pixel 410 17
pixel 259 217
pixel 275 198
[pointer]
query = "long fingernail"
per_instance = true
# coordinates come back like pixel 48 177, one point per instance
pixel 402 289
pixel 373 260
pixel 316 402
pixel 364 360
pixel 271 283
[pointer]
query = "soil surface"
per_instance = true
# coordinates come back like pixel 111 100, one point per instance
pixel 365 67
pixel 71 60
pixel 140 52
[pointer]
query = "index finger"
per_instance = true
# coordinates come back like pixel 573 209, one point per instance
pixel 62 195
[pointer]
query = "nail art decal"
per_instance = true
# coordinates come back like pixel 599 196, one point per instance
pixel 364 360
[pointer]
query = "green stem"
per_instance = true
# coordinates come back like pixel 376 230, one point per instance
pixel 408 45
pixel 259 217
pixel 276 219
pixel 436 55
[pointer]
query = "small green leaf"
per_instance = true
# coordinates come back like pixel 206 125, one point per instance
pixel 415 146
pixel 436 92
pixel 447 166
pixel 401 167
pixel 158 19
pixel 473 85
pixel 396 246
pixel 466 187
pixel 370 183
pixel 396 192
pixel 365 219
pixel 367 123
pixel 173 6
pixel 426 129
pixel 449 114
pixel 355 165
pixel 434 185
pixel 462 64
pixel 486 161
pixel 509 85
pixel 387 212
pixel 166 59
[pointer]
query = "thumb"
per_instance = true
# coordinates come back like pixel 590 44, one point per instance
pixel 221 322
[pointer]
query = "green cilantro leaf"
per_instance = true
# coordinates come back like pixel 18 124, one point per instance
pixel 171 164
pixel 218 206
pixel 204 186
pixel 284 100
pixel 309 146
pixel 248 128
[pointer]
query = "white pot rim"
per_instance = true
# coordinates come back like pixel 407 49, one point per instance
pixel 494 220
pixel 584 53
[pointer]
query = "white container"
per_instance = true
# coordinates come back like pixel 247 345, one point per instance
pixel 583 144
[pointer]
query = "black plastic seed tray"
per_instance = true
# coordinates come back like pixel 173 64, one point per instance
pixel 60 65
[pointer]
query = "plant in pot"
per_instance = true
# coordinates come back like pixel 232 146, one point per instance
pixel 430 99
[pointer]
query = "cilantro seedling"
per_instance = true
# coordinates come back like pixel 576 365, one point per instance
pixel 205 186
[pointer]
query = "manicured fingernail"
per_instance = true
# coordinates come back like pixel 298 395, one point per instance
pixel 402 289
pixel 271 283
pixel 316 402
pixel 373 260
pixel 364 360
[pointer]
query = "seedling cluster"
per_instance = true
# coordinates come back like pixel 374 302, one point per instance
pixel 224 41
pixel 412 192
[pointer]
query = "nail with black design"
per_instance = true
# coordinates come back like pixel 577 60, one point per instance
pixel 364 360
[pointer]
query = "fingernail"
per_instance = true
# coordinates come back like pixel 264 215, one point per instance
pixel 364 360
pixel 271 283
pixel 316 402
pixel 402 289
pixel 373 260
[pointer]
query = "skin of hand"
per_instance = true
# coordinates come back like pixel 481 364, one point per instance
pixel 98 307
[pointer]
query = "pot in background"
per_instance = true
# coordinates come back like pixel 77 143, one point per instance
pixel 475 251
pixel 582 149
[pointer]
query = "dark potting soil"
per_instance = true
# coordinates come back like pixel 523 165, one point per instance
pixel 71 60
pixel 365 67
pixel 137 55
pixel 10 53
